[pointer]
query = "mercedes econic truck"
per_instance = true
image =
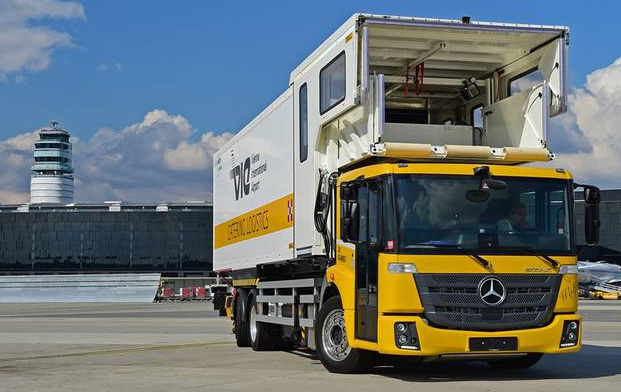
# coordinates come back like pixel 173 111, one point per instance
pixel 387 201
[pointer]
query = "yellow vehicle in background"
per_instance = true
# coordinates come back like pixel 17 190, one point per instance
pixel 380 204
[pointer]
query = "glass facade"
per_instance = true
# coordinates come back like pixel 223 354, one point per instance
pixel 174 240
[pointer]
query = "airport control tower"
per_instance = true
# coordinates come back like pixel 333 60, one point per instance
pixel 51 180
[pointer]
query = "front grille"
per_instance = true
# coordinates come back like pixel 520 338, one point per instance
pixel 453 301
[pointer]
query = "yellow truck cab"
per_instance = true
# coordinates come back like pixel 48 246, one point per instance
pixel 431 257
pixel 381 204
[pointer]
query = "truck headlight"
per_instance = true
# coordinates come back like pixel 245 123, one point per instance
pixel 571 332
pixel 401 268
pixel 406 336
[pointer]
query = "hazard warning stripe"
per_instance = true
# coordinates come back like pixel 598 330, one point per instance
pixel 269 218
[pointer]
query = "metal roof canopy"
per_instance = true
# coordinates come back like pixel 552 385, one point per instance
pixel 469 49
pixel 450 50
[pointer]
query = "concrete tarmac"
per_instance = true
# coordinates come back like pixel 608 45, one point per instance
pixel 187 347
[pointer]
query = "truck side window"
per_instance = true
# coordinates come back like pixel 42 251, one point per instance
pixel 303 95
pixel 476 116
pixel 332 83
pixel 387 216
pixel 374 212
pixel 363 205
pixel 525 81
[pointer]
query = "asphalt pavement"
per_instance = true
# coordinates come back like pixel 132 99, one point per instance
pixel 187 347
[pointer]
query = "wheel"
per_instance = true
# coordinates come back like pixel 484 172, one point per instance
pixel 263 336
pixel 242 327
pixel 522 362
pixel 331 341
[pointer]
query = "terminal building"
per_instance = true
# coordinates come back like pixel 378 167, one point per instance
pixel 173 239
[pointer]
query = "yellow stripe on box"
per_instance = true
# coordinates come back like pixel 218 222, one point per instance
pixel 269 218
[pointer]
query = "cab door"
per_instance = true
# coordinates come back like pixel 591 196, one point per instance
pixel 369 201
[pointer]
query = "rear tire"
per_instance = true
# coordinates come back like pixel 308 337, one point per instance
pixel 523 362
pixel 331 341
pixel 263 336
pixel 242 326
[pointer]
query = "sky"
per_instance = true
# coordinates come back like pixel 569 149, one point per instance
pixel 151 89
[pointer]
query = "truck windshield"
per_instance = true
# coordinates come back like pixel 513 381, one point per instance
pixel 437 213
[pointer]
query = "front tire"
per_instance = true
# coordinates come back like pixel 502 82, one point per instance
pixel 331 341
pixel 522 362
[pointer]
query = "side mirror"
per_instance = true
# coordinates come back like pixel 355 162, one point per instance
pixel 591 194
pixel 591 214
pixel 591 224
pixel 350 221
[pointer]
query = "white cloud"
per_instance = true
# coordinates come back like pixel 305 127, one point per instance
pixel 153 160
pixel 16 156
pixel 10 197
pixel 23 142
pixel 195 157
pixel 592 129
pixel 25 46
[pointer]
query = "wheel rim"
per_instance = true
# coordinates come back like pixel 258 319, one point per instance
pixel 253 323
pixel 334 336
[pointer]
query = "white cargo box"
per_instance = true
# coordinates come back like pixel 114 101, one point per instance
pixel 253 191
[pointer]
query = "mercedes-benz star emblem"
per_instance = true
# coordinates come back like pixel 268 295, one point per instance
pixel 492 291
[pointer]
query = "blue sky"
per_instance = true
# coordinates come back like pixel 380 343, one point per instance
pixel 217 63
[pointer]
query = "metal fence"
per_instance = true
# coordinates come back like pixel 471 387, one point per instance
pixel 79 288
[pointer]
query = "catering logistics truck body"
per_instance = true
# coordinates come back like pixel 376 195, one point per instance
pixel 380 204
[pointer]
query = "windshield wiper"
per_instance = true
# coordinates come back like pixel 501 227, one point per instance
pixel 551 262
pixel 483 261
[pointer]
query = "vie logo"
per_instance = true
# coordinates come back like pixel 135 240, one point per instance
pixel 241 178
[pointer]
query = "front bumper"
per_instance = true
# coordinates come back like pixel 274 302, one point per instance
pixel 438 341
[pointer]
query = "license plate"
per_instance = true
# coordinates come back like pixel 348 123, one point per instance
pixel 493 344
